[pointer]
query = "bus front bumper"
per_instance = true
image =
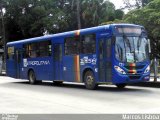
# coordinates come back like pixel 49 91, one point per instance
pixel 130 78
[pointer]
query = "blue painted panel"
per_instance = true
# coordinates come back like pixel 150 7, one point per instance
pixel 68 68
pixel 10 67
pixel 43 67
pixel 89 61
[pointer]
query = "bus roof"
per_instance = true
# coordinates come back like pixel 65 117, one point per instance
pixel 64 34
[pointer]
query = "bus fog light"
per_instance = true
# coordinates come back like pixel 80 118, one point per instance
pixel 147 69
pixel 119 70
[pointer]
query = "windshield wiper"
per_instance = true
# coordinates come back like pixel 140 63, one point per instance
pixel 120 53
pixel 138 43
pixel 126 40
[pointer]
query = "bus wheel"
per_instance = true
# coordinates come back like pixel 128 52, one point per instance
pixel 32 77
pixel 89 80
pixel 39 81
pixel 121 86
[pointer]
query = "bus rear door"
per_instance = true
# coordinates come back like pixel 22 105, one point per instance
pixel 58 61
pixel 105 69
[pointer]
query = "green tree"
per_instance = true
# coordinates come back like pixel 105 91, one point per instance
pixel 95 12
pixel 119 14
pixel 31 18
pixel 132 4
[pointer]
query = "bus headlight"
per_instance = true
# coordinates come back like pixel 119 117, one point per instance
pixel 147 69
pixel 119 70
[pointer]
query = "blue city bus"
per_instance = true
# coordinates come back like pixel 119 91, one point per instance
pixel 110 54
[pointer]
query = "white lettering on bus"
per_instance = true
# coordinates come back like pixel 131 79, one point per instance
pixel 86 60
pixel 38 62
pixel 35 63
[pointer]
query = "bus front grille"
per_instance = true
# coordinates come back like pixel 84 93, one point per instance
pixel 136 67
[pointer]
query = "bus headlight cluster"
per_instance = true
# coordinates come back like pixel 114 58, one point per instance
pixel 119 70
pixel 147 69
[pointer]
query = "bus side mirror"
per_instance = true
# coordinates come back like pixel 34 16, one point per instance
pixel 149 45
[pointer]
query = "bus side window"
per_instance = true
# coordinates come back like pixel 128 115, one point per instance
pixel 25 51
pixel 88 44
pixel 43 50
pixel 32 50
pixel 72 46
pixel 49 49
pixel 38 49
pixel 10 53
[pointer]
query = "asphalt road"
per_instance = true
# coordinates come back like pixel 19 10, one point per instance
pixel 18 96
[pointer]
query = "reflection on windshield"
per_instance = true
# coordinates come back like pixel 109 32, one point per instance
pixel 131 49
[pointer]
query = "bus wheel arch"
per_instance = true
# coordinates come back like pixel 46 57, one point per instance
pixel 89 79
pixel 31 76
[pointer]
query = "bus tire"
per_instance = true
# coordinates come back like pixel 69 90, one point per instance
pixel 121 86
pixel 89 80
pixel 39 81
pixel 32 77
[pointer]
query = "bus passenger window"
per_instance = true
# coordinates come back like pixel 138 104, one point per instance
pixel 49 49
pixel 25 51
pixel 72 46
pixel 38 49
pixel 32 50
pixel 10 53
pixel 88 44
pixel 44 49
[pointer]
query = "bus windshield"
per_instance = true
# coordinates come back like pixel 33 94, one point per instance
pixel 131 49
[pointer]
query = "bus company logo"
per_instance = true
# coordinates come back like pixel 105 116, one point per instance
pixel 86 60
pixel 25 63
pixel 35 63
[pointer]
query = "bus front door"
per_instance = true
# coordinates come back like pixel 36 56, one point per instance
pixel 105 68
pixel 58 71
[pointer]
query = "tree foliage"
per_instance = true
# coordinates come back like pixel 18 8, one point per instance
pixel 31 18
pixel 132 4
pixel 28 17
